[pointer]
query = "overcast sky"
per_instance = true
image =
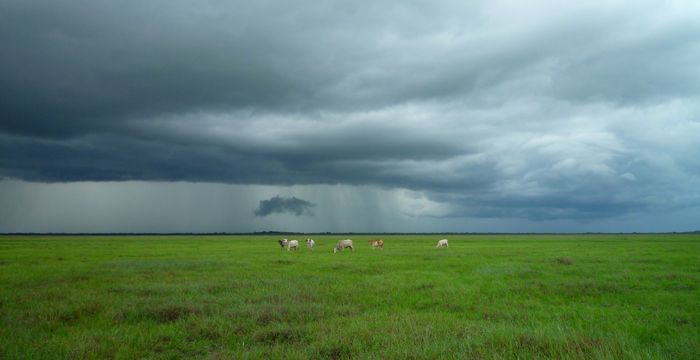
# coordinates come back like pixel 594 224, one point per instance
pixel 349 116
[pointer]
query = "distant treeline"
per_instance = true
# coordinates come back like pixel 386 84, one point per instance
pixel 340 233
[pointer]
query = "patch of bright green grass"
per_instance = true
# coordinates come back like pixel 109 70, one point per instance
pixel 484 297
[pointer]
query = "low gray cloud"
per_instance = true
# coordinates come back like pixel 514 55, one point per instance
pixel 492 108
pixel 281 205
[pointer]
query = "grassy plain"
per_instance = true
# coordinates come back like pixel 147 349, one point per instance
pixel 490 297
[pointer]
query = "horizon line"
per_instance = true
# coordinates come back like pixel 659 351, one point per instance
pixel 336 233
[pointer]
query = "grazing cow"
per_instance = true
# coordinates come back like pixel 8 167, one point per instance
pixel 283 243
pixel 442 243
pixel 342 245
pixel 292 244
pixel 310 243
pixel 377 243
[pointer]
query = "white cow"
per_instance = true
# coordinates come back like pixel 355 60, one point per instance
pixel 292 244
pixel 283 243
pixel 310 243
pixel 377 243
pixel 342 245
pixel 442 243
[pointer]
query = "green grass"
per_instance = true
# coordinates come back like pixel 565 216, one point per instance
pixel 490 297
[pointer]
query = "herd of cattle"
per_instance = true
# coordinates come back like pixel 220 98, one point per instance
pixel 341 244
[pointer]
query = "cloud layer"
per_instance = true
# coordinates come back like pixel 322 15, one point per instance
pixel 280 205
pixel 494 109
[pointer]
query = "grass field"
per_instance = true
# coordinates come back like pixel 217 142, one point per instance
pixel 490 297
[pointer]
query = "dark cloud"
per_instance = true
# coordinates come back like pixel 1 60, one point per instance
pixel 492 107
pixel 280 205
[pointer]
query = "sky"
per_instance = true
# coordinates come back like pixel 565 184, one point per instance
pixel 349 116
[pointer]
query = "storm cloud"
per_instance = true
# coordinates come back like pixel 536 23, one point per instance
pixel 279 205
pixel 493 109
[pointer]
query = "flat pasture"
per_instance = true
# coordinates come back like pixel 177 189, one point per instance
pixel 243 297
